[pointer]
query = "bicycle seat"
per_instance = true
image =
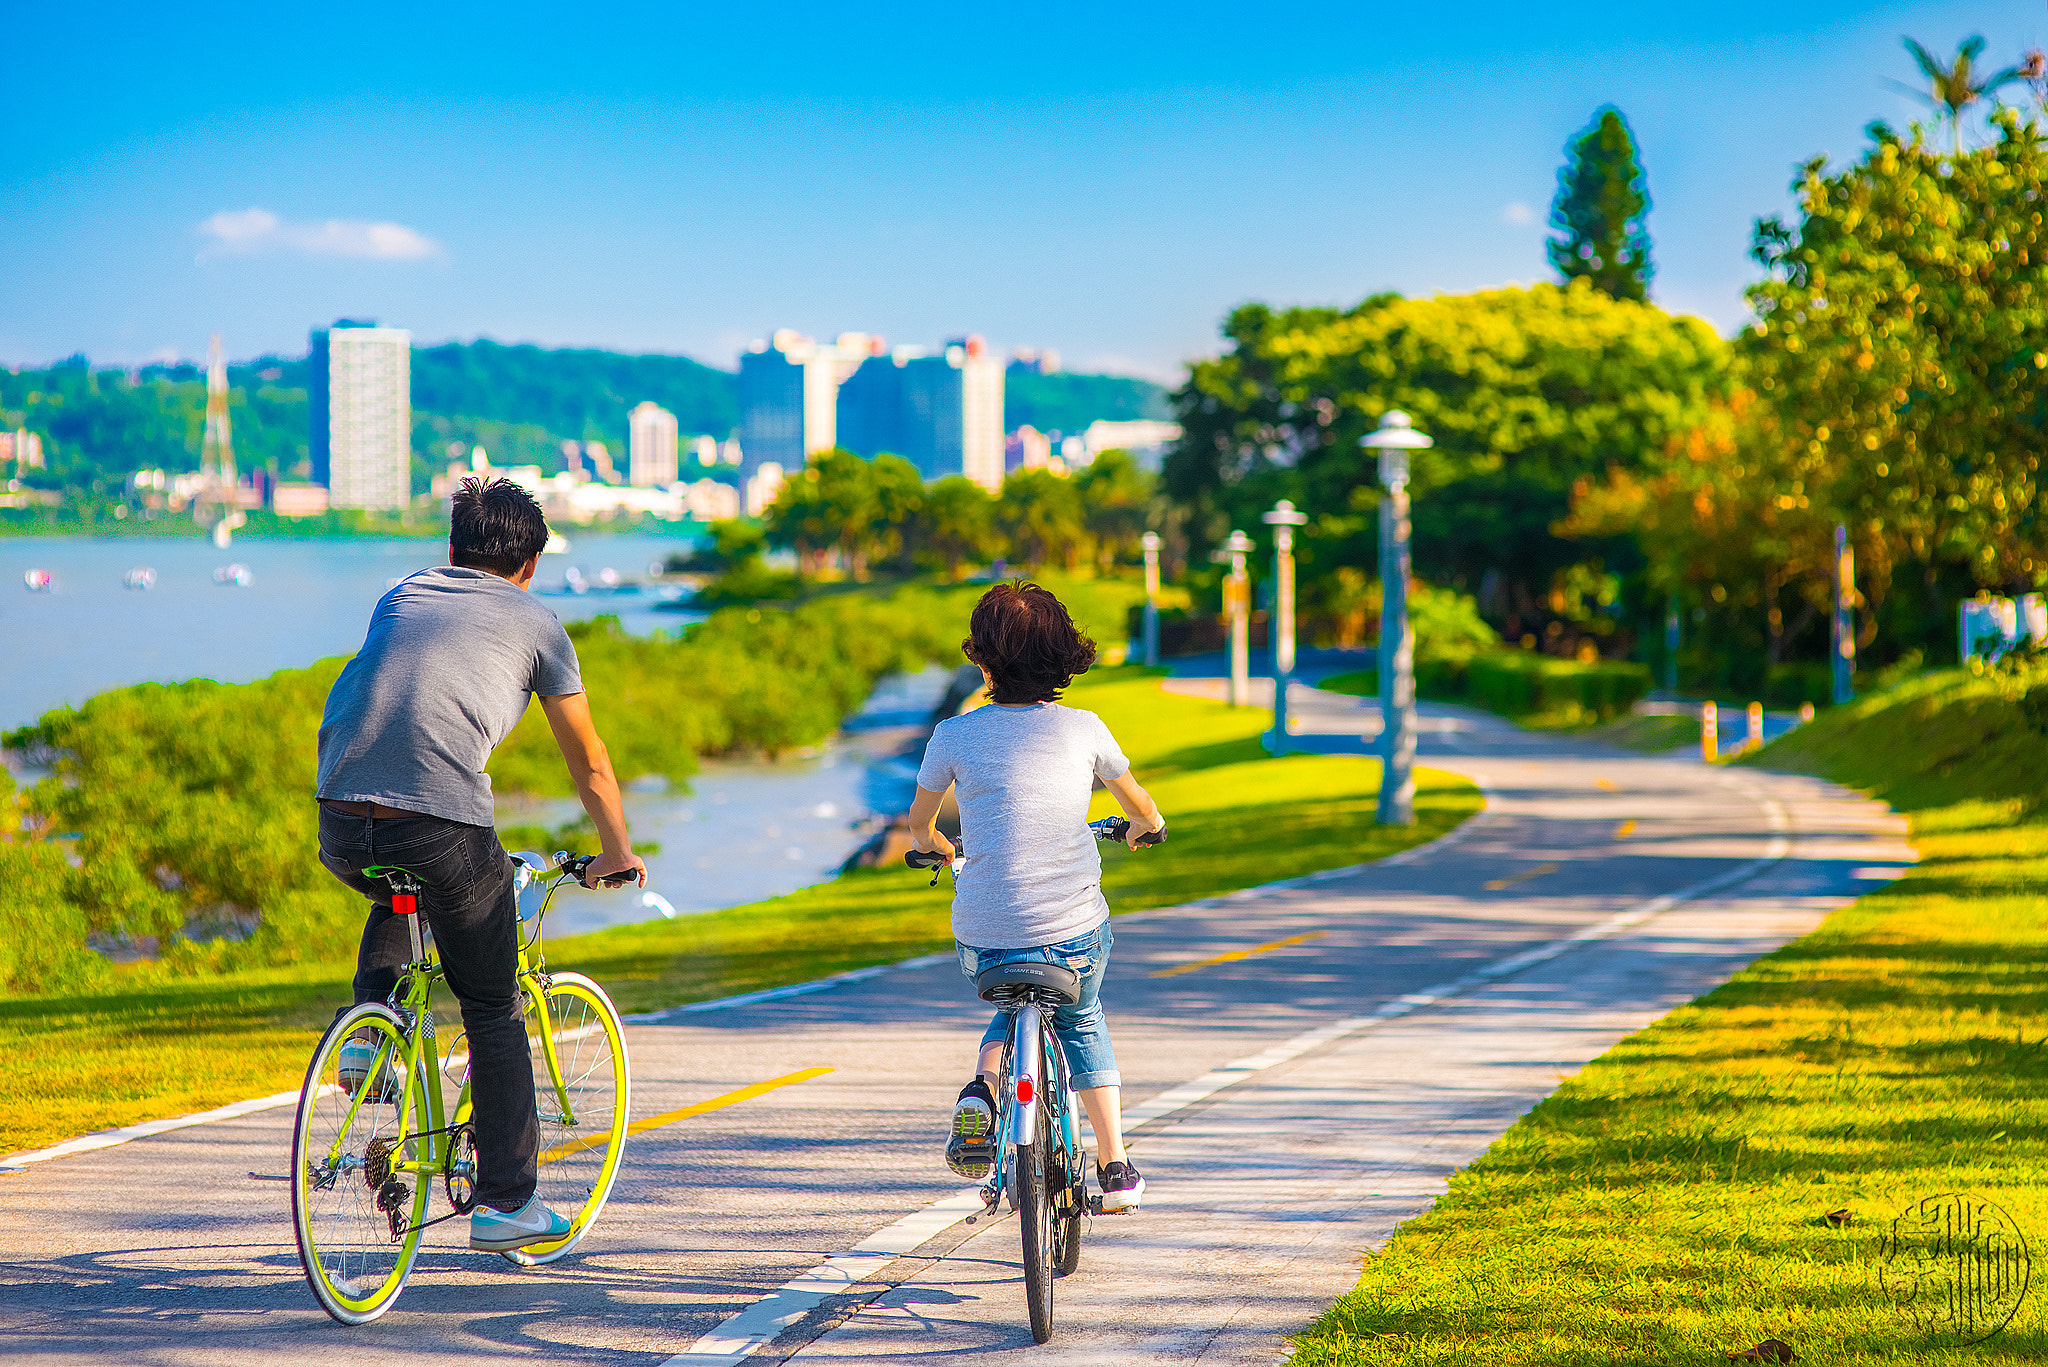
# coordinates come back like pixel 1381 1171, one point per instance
pixel 1046 984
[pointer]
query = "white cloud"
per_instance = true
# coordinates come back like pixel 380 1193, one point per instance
pixel 1519 214
pixel 247 232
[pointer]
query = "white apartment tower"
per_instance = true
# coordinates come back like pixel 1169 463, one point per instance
pixel 369 417
pixel 652 448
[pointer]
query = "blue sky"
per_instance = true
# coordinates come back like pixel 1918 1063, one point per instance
pixel 1104 180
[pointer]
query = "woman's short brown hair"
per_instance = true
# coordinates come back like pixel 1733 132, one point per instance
pixel 1025 639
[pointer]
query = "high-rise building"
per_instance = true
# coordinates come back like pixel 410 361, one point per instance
pixel 651 450
pixel 789 396
pixel 24 448
pixel 944 413
pixel 362 415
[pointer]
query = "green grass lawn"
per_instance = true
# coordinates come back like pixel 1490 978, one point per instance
pixel 1236 818
pixel 1667 1204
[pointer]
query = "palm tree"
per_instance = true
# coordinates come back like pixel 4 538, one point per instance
pixel 1955 86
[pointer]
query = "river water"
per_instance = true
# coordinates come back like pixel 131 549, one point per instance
pixel 741 833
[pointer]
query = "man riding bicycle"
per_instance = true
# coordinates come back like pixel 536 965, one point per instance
pixel 1023 768
pixel 453 656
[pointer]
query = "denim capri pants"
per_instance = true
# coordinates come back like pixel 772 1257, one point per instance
pixel 1083 1032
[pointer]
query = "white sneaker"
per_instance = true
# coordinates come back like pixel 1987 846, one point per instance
pixel 495 1231
pixel 352 1067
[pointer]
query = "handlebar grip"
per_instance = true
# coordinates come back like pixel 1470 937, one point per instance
pixel 918 859
pixel 1152 838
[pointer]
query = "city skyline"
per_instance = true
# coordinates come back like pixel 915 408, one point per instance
pixel 654 182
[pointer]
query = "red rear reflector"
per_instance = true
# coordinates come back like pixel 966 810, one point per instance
pixel 1024 1090
pixel 404 904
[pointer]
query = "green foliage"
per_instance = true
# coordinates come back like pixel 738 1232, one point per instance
pixel 578 394
pixel 1116 503
pixel 1061 402
pixel 1526 392
pixel 955 525
pixel 1042 515
pixel 1546 691
pixel 1601 199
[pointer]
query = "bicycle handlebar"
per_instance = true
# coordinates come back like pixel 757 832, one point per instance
pixel 577 866
pixel 1112 828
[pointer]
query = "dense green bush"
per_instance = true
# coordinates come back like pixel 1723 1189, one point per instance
pixel 1549 691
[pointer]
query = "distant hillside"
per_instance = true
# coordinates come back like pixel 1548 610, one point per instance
pixel 1068 403
pixel 519 402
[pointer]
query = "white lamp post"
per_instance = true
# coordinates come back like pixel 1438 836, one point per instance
pixel 1283 519
pixel 1237 600
pixel 1394 439
pixel 1150 541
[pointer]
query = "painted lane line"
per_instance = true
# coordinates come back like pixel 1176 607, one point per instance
pixel 1236 954
pixel 107 1139
pixel 1497 884
pixel 734 1340
pixel 1624 830
pixel 716 1103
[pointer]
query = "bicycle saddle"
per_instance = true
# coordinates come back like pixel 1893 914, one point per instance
pixel 1046 984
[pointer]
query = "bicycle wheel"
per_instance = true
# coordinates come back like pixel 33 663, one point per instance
pixel 1035 1217
pixel 1065 1168
pixel 583 1113
pixel 357 1223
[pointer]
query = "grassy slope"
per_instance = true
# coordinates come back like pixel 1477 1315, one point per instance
pixel 73 1064
pixel 1663 1206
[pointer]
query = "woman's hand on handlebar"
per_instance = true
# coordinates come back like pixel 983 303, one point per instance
pixel 1146 830
pixel 614 871
pixel 933 842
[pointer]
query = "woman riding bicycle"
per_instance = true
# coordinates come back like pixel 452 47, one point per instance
pixel 1031 888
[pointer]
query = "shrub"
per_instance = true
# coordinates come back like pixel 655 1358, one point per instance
pixel 1548 691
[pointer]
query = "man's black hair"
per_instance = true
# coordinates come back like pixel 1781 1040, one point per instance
pixel 495 525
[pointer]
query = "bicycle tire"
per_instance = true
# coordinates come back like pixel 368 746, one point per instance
pixel 1069 1179
pixel 577 1164
pixel 1035 1219
pixel 354 1265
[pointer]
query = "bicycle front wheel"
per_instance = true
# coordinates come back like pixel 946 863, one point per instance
pixel 1035 1217
pixel 357 1222
pixel 584 1102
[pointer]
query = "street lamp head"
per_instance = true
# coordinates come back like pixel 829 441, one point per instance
pixel 1149 541
pixel 1239 542
pixel 1393 439
pixel 1283 515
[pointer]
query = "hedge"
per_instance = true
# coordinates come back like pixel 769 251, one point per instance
pixel 1529 685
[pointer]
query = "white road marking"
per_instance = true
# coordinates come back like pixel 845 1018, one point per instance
pixel 734 1340
pixel 107 1139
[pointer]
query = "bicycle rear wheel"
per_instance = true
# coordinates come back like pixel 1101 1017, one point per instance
pixel 1035 1217
pixel 583 1112
pixel 357 1223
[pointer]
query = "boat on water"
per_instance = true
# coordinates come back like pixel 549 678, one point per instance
pixel 233 576
pixel 141 577
pixel 40 581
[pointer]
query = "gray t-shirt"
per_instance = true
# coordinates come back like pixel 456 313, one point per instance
pixel 1032 876
pixel 451 661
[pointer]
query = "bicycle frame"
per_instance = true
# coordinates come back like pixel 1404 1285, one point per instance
pixel 1026 1059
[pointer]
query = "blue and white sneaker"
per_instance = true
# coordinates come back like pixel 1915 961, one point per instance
pixel 352 1068
pixel 496 1231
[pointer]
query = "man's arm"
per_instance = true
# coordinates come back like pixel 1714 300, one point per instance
pixel 591 766
pixel 1138 806
pixel 924 815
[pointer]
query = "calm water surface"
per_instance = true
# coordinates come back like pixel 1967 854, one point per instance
pixel 740 833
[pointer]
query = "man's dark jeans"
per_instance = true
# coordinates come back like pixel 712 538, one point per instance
pixel 469 904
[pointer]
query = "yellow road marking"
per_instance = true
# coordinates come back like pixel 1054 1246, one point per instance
pixel 1234 955
pixel 1624 830
pixel 717 1103
pixel 1606 783
pixel 1497 884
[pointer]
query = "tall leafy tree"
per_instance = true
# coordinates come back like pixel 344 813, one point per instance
pixel 1952 87
pixel 955 523
pixel 1116 498
pixel 1602 196
pixel 1042 514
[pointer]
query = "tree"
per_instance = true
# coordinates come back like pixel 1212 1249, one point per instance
pixel 802 520
pixel 1041 512
pixel 1903 341
pixel 898 494
pixel 955 523
pixel 1115 498
pixel 1954 86
pixel 1525 391
pixel 1601 199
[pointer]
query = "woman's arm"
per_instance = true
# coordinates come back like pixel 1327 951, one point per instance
pixel 924 816
pixel 1138 806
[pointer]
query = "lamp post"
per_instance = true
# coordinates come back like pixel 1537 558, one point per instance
pixel 1283 519
pixel 1150 541
pixel 1394 439
pixel 1237 601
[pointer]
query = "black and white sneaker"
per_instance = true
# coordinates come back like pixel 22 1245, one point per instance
pixel 968 1151
pixel 1122 1187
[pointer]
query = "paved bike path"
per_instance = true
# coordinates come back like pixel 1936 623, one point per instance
pixel 166 1251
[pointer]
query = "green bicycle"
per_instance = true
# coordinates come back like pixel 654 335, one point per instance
pixel 366 1155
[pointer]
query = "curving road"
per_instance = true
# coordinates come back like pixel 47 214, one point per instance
pixel 1289 1107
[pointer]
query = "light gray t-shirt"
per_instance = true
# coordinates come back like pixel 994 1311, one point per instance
pixel 451 661
pixel 1032 876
